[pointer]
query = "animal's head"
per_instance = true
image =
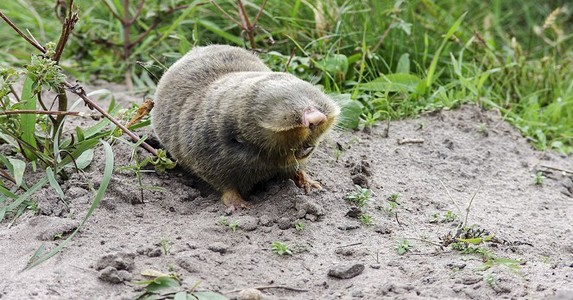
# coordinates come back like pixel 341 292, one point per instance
pixel 292 115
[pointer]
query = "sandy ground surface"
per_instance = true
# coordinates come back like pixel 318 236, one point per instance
pixel 184 229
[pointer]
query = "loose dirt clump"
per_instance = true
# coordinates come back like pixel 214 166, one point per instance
pixel 422 178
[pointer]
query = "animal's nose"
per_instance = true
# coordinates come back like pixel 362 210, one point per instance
pixel 313 118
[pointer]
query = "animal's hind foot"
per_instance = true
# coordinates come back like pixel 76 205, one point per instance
pixel 233 200
pixel 303 181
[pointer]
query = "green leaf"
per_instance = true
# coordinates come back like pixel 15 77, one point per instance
pixel 403 64
pixel 6 192
pixel 220 32
pixel 434 63
pixel 350 111
pixel 398 82
pixel 54 183
pixel 473 241
pixel 3 210
pixel 27 194
pixel 28 121
pixel 18 168
pixel 336 65
pixel 85 159
pixel 162 282
pixel 512 263
pixel 80 149
pixel 161 162
pixel 80 134
pixel 180 296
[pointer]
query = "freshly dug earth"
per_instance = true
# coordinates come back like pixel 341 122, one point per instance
pixel 184 229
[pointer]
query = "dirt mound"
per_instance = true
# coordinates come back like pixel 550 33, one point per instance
pixel 182 228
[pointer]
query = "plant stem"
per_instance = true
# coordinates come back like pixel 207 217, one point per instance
pixel 22 34
pixel 41 112
pixel 7 176
pixel 78 90
pixel 126 24
pixel 246 24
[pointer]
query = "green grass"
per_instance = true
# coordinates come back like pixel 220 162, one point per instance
pixel 394 59
pixel 360 196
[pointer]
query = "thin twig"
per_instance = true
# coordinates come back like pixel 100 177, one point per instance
pixel 22 34
pixel 410 141
pixel 226 14
pixel 145 33
pixel 246 24
pixel 42 112
pixel 397 220
pixel 292 53
pixel 258 16
pixel 14 93
pixel 126 43
pixel 425 241
pixel 7 176
pixel 115 15
pixel 557 169
pixel 82 94
pixel 451 198
pixel 469 206
pixel 350 245
pixel 384 35
pixel 266 287
pixel 137 12
pixel 39 96
pixel 67 28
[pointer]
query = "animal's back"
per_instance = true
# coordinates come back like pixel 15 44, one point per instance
pixel 181 91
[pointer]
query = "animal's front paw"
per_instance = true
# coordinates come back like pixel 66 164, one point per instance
pixel 233 200
pixel 303 181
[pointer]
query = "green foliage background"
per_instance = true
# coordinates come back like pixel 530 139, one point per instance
pixel 514 56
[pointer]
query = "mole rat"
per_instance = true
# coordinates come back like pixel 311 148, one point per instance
pixel 226 117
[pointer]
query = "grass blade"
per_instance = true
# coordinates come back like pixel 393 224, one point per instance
pixel 27 194
pixel 40 257
pixel 18 168
pixel 6 192
pixel 28 121
pixel 434 63
pixel 54 183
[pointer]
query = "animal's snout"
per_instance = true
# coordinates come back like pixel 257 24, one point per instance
pixel 312 118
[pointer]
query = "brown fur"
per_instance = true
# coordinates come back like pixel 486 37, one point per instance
pixel 225 116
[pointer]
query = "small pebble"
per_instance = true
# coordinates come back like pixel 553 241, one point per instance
pixel 218 247
pixel 346 270
pixel 248 223
pixel 110 275
pixel 250 294
pixel 154 253
pixel 284 223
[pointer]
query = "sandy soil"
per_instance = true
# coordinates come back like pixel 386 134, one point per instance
pixel 468 150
